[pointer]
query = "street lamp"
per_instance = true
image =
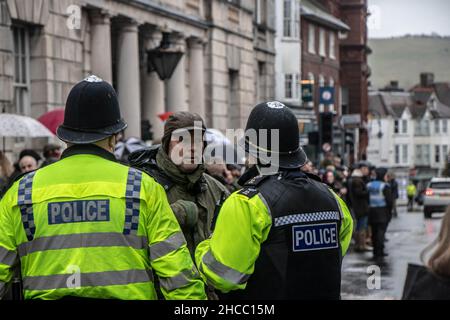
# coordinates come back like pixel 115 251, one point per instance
pixel 163 59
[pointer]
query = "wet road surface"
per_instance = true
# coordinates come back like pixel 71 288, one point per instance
pixel 407 235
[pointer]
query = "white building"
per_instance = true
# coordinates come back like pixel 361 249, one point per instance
pixel 288 48
pixel 409 132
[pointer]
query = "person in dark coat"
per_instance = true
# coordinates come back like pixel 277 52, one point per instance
pixel 394 187
pixel 380 207
pixel 359 199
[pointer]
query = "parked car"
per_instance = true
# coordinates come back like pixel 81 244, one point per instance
pixel 437 196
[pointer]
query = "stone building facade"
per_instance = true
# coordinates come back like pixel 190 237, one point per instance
pixel 46 46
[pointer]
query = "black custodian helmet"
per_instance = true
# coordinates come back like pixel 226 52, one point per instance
pixel 92 113
pixel 270 116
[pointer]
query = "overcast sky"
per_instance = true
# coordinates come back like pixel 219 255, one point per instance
pixel 399 17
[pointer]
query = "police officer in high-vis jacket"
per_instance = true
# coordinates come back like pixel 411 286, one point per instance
pixel 284 234
pixel 89 227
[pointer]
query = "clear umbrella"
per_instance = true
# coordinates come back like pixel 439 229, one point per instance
pixel 14 125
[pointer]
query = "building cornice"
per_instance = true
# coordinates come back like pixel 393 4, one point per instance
pixel 168 12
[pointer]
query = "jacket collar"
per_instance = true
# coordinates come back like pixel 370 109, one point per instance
pixel 88 149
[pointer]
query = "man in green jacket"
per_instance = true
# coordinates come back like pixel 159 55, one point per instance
pixel 194 196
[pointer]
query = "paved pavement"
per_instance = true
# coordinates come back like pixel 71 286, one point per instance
pixel 407 235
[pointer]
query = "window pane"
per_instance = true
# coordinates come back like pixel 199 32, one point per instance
pixel 287 32
pixel 405 126
pixel 396 124
pixel 296 20
pixel 288 86
pixel 287 9
pixel 22 41
pixel 426 154
pixel 419 154
pixel 311 39
pixel 332 46
pixel 417 128
pixel 437 154
pixel 444 126
pixel 427 127
pixel 16 69
pixel 405 153
pixel 397 154
pixel 322 42
pixel 440 185
pixel 436 126
pixel 287 28
pixel 24 70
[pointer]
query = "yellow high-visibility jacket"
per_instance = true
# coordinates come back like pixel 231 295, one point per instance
pixel 87 226
pixel 227 259
pixel 411 190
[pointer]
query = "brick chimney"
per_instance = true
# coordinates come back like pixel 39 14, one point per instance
pixel 426 79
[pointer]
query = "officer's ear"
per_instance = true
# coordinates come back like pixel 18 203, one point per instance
pixel 112 140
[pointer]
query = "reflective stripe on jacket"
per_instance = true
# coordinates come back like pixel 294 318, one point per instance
pixel 227 260
pixel 87 226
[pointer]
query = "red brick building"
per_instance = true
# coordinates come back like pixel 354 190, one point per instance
pixel 334 53
pixel 354 67
pixel 320 51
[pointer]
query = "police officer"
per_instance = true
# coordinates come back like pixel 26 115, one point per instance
pixel 89 227
pixel 284 234
pixel 380 210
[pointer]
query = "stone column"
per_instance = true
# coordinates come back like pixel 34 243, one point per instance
pixel 196 77
pixel 128 80
pixel 153 93
pixel 101 62
pixel 176 85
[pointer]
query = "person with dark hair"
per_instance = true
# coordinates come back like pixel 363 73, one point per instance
pixel 394 187
pixel 52 153
pixel 28 161
pixel 380 207
pixel 359 200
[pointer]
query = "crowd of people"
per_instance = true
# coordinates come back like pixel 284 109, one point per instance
pixel 28 160
pixel 167 220
pixel 370 193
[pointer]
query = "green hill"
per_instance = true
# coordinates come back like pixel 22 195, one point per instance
pixel 404 58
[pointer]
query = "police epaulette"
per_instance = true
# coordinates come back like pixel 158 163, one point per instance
pixel 248 191
pixel 256 180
